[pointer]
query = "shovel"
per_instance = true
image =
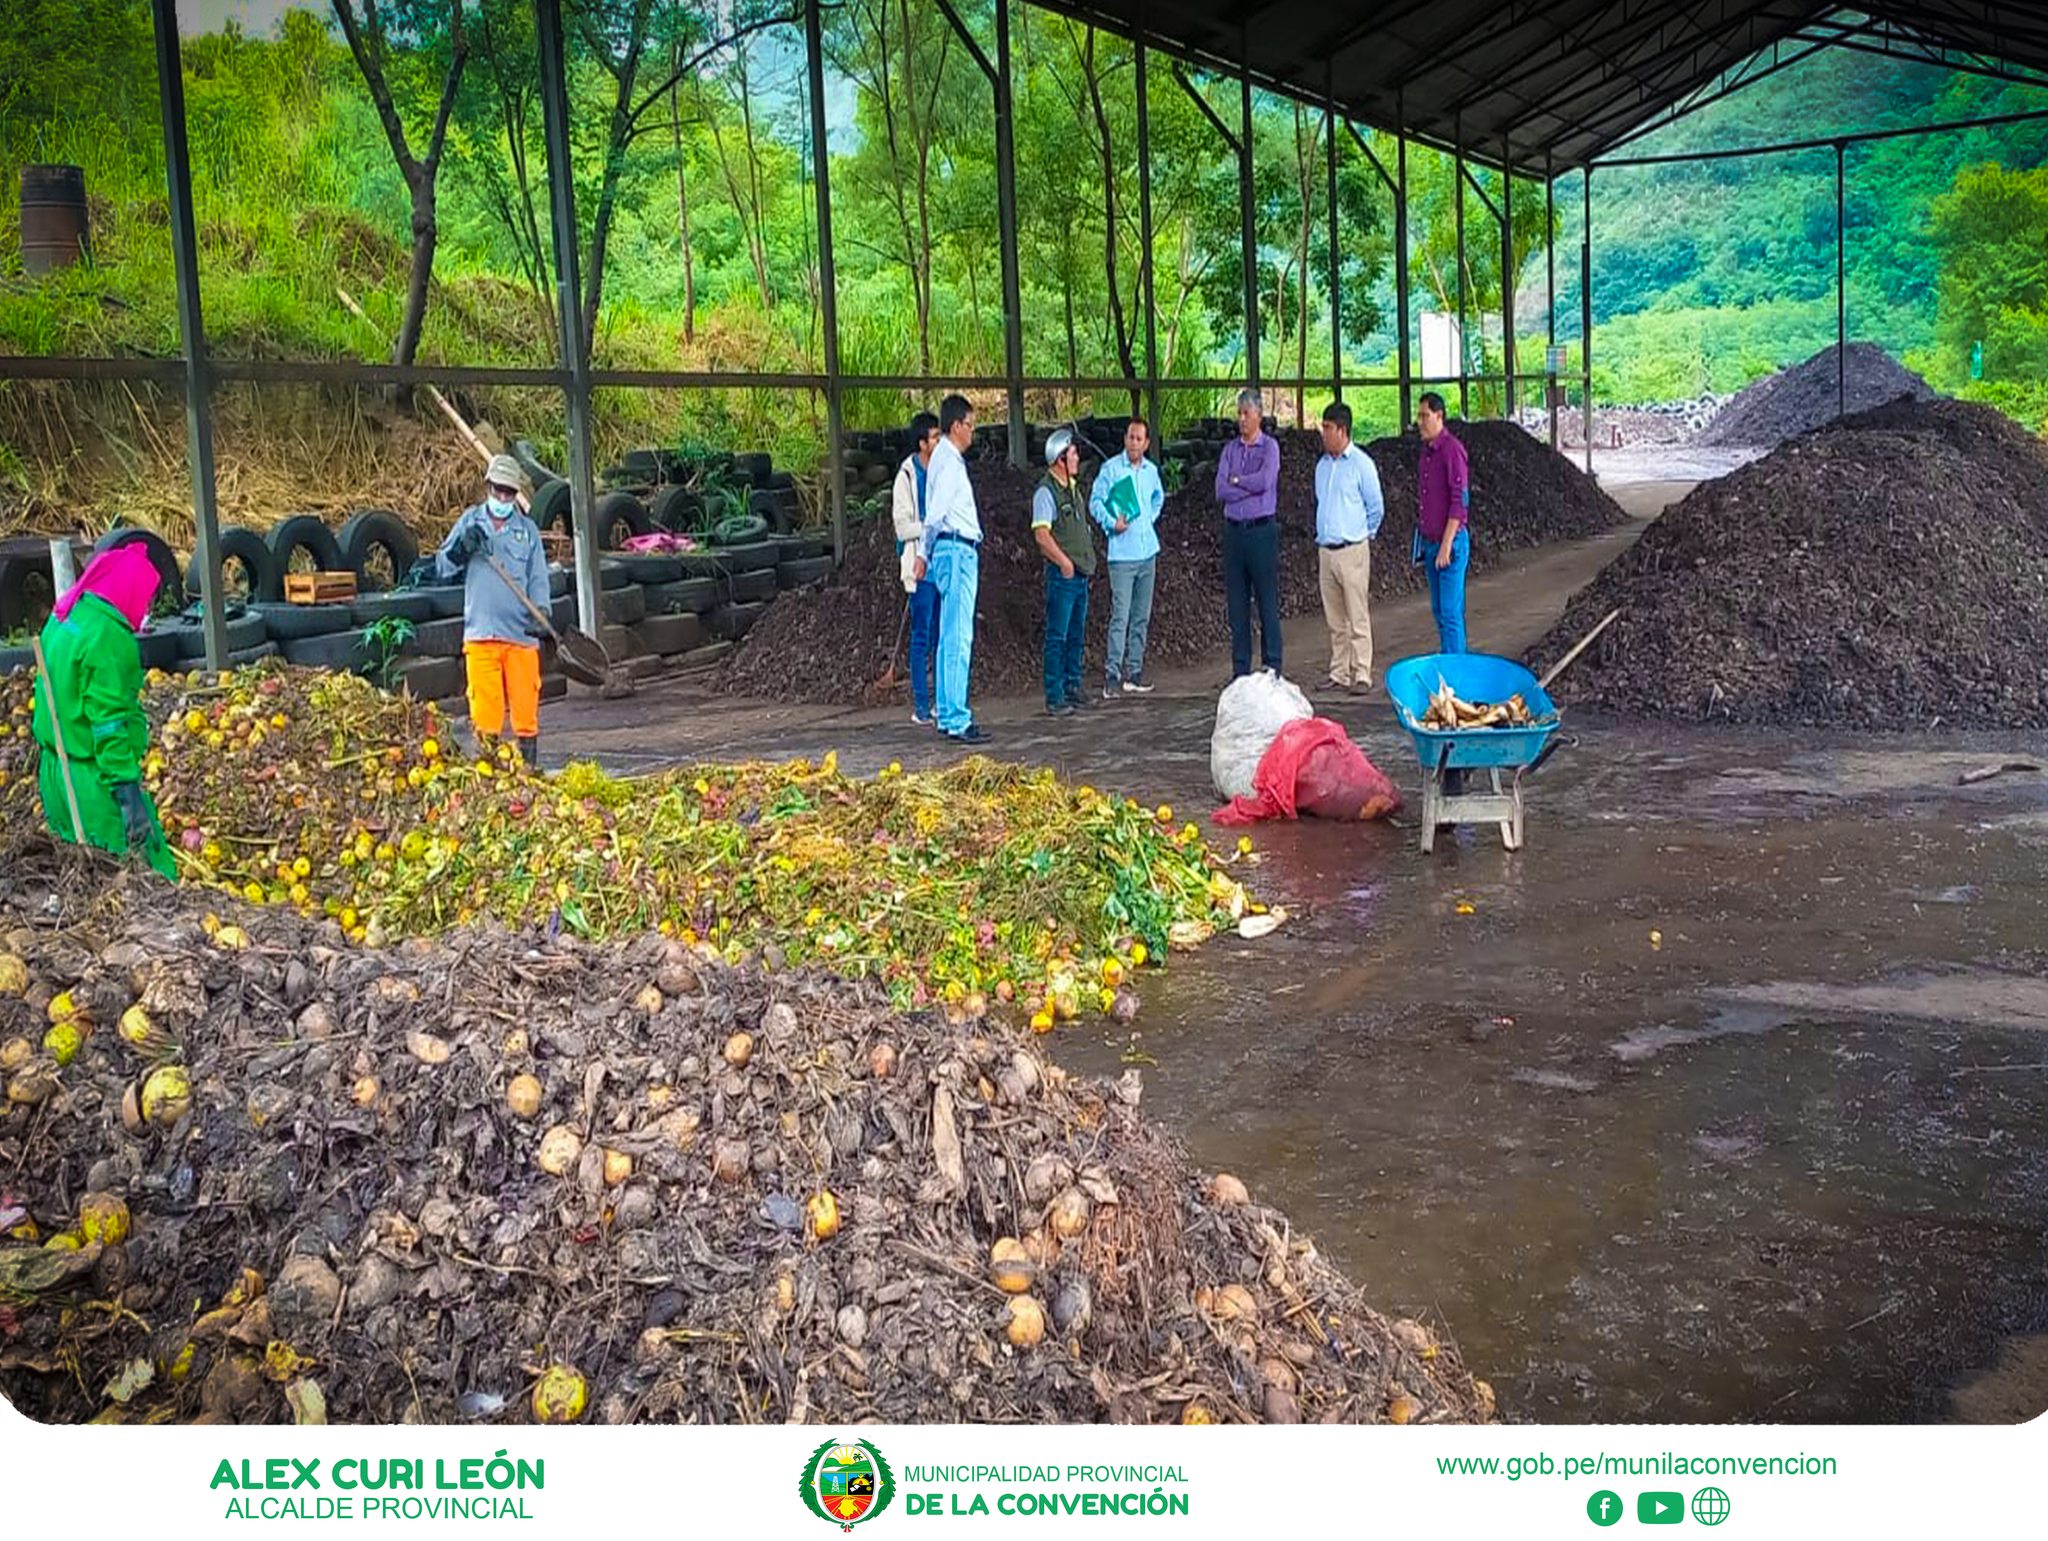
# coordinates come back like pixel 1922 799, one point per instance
pixel 583 656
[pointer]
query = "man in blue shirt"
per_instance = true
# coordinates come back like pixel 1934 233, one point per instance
pixel 1349 508
pixel 951 558
pixel 1126 502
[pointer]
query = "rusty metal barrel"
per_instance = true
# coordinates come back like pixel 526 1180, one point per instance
pixel 53 217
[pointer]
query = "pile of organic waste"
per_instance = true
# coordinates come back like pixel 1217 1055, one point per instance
pixel 249 1175
pixel 979 886
pixel 1448 712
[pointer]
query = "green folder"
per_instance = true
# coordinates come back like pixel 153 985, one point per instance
pixel 1123 501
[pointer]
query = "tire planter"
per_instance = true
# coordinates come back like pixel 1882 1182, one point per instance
pixel 342 651
pixel 760 584
pixel 170 594
pixel 651 568
pixel 626 606
pixel 668 635
pixel 243 633
pixel 549 504
pixel 305 535
pixel 563 612
pixel 162 646
pixel 560 581
pixel 611 575
pixel 262 579
pixel 810 569
pixel 412 604
pixel 702 657
pixel 740 530
pixel 444 599
pixel 755 468
pixel 675 508
pixel 437 639
pixel 619 643
pixel 733 621
pixel 618 511
pixel 238 660
pixel 751 557
pixel 26 591
pixel 691 596
pixel 768 507
pixel 290 623
pixel 809 543
pixel 364 535
pixel 430 679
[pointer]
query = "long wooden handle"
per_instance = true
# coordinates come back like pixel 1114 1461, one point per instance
pixel 447 408
pixel 57 734
pixel 525 598
pixel 1579 647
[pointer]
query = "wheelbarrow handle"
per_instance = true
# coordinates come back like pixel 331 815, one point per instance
pixel 525 599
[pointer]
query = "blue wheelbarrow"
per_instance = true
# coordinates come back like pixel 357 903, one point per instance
pixel 1508 751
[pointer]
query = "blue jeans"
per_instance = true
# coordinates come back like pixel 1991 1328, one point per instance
pixel 1066 631
pixel 955 570
pixel 1447 588
pixel 924 636
pixel 1130 617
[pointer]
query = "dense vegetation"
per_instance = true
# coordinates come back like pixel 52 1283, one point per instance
pixel 363 145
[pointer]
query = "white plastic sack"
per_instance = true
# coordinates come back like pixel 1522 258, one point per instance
pixel 1249 716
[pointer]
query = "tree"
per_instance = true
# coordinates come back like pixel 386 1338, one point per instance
pixel 1993 273
pixel 434 29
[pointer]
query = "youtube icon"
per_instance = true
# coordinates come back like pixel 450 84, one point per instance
pixel 1660 1508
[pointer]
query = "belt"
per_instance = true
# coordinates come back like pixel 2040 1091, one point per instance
pixel 1338 545
pixel 949 535
pixel 1246 524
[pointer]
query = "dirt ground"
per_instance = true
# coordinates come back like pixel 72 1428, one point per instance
pixel 1715 1103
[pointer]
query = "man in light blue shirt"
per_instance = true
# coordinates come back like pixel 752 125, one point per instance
pixel 1349 508
pixel 1126 502
pixel 952 560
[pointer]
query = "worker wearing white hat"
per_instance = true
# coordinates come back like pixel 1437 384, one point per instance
pixel 500 638
pixel 1059 524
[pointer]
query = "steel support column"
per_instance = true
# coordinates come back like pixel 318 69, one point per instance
pixel 1586 316
pixel 1550 291
pixel 554 101
pixel 1147 281
pixel 1247 215
pixel 1507 274
pixel 170 76
pixel 1006 235
pixel 1404 354
pixel 1841 291
pixel 1464 351
pixel 1336 266
pixel 828 277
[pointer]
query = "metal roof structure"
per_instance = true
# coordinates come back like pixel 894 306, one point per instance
pixel 1554 84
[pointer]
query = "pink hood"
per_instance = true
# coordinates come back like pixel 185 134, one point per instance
pixel 124 577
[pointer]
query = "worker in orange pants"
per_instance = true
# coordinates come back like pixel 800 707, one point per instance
pixel 495 546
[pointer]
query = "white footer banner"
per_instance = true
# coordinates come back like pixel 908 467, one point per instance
pixel 948 1481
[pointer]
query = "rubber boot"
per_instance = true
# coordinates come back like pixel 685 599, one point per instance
pixel 529 751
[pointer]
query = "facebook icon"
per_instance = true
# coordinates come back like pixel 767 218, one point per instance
pixel 1604 1508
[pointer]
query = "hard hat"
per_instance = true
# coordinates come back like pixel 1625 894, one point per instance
pixel 1061 441
pixel 504 471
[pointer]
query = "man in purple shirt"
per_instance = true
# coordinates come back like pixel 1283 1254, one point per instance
pixel 1248 485
pixel 1443 544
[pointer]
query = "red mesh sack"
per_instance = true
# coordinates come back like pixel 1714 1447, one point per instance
pixel 1313 768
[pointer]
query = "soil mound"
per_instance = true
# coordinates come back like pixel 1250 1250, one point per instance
pixel 1888 571
pixel 346 1217
pixel 1797 400
pixel 829 644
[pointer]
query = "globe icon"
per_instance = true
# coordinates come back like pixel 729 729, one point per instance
pixel 1710 1506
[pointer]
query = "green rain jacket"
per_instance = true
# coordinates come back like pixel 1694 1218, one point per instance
pixel 96 680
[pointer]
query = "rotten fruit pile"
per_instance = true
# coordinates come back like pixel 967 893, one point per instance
pixel 499 1178
pixel 975 887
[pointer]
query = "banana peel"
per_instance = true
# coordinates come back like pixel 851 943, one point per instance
pixel 1446 711
pixel 31 1271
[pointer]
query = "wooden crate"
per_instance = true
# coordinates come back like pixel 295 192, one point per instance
pixel 319 588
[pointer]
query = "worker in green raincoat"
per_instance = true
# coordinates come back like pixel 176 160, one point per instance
pixel 94 683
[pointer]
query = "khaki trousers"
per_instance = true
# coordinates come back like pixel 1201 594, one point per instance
pixel 1346 576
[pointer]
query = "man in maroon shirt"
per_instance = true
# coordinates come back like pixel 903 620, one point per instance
pixel 1443 544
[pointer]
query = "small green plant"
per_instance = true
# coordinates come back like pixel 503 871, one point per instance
pixel 383 640
pixel 1173 475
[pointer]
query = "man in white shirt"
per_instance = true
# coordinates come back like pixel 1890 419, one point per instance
pixel 952 560
pixel 907 513
pixel 1349 508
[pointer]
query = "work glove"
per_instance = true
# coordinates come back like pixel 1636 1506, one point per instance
pixel 422 572
pixel 135 822
pixel 474 539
